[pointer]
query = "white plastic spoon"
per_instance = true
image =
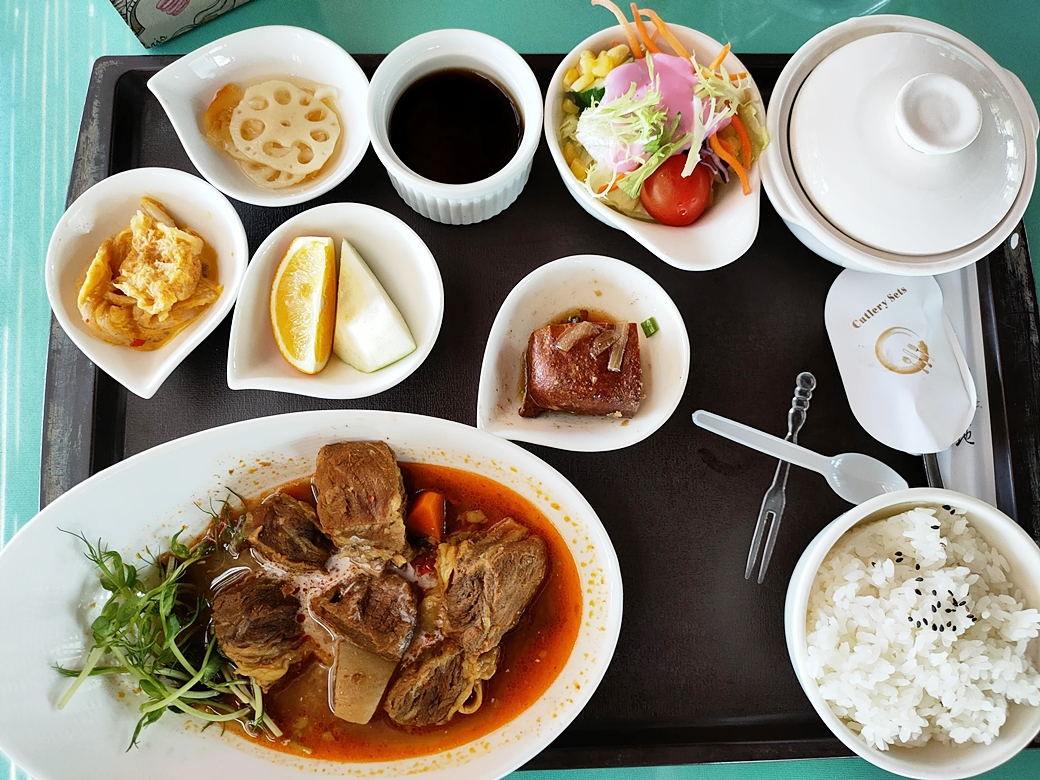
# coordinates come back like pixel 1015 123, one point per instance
pixel 853 476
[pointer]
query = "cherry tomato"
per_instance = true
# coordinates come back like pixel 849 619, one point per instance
pixel 672 199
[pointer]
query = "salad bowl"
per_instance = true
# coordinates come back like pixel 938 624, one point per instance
pixel 725 231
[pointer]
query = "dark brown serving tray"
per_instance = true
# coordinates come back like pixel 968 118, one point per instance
pixel 701 672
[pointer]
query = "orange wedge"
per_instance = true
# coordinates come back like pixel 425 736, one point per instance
pixel 303 303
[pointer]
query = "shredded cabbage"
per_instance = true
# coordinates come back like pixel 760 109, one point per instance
pixel 635 133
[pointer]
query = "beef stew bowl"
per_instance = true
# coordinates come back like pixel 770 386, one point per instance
pixel 725 231
pixel 508 520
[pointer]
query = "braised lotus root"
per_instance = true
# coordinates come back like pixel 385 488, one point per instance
pixel 279 133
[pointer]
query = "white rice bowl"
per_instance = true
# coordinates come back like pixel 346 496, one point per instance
pixel 915 633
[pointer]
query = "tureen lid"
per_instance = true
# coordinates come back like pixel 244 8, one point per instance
pixel 907 143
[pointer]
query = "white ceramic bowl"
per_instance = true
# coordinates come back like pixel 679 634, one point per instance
pixel 797 210
pixel 399 259
pixel 47 585
pixel 455 204
pixel 934 761
pixel 104 210
pixel 582 282
pixel 719 236
pixel 185 89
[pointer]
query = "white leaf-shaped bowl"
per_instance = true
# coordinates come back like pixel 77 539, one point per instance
pixel 399 259
pixel 104 210
pixel 724 232
pixel 596 283
pixel 185 89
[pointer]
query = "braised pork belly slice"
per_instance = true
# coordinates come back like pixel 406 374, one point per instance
pixel 578 379
pixel 443 680
pixel 361 498
pixel 255 622
pixel 286 531
pixel 489 578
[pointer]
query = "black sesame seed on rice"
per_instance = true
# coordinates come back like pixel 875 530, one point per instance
pixel 917 591
pixel 934 627
pixel 946 507
pixel 917 566
pixel 920 579
pixel 942 628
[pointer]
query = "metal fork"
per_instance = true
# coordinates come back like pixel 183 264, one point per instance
pixel 776 497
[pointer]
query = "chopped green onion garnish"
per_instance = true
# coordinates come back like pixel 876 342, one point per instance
pixel 649 327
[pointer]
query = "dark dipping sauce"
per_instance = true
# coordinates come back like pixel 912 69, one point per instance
pixel 455 127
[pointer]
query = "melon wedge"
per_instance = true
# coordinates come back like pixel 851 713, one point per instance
pixel 370 331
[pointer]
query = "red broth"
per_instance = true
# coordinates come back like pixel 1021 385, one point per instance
pixel 533 653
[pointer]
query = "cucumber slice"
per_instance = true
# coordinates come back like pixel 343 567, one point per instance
pixel 370 331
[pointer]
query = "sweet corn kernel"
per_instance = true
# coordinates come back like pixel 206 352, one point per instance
pixel 583 83
pixel 569 154
pixel 578 170
pixel 602 65
pixel 570 77
pixel 585 62
pixel 618 54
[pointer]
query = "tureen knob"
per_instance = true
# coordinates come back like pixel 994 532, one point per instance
pixel 937 114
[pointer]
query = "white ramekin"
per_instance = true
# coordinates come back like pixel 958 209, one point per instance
pixel 934 761
pixel 797 210
pixel 455 204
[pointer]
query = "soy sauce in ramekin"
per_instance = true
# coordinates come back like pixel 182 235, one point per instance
pixel 455 127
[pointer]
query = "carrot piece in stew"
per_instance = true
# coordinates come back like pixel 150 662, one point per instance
pixel 426 517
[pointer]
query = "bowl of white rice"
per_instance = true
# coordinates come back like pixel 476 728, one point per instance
pixel 912 622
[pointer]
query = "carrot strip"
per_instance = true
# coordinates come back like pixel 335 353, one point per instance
pixel 718 60
pixel 732 162
pixel 638 18
pixel 738 76
pixel 665 32
pixel 726 146
pixel 633 39
pixel 613 186
pixel 745 141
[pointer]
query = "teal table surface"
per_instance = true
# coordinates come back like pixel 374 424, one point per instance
pixel 46 51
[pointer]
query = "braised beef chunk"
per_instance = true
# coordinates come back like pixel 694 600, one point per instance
pixel 426 692
pixel 493 578
pixel 256 627
pixel 375 613
pixel 361 496
pixel 443 680
pixel 286 531
pixel 576 380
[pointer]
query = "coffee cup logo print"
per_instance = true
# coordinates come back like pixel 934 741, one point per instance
pixel 902 351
